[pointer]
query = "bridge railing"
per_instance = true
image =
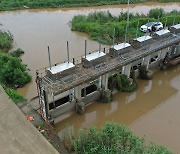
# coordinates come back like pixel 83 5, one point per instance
pixel 91 73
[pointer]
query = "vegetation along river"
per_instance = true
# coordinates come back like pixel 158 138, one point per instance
pixel 152 110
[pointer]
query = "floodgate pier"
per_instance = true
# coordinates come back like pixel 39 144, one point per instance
pixel 72 85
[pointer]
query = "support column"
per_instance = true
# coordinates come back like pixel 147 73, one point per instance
pixel 159 54
pixel 104 82
pixel 123 69
pixel 175 49
pixel 145 61
pixel 77 91
pixel 106 93
pixel 126 70
pixel 79 106
pixel 163 53
pixel 71 94
pixel 45 104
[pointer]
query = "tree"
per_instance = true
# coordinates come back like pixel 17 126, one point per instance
pixel 13 72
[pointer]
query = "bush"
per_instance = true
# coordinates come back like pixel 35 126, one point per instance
pixel 121 82
pixel 156 13
pixel 143 73
pixel 13 73
pixel 6 41
pixel 17 53
pixel 112 138
pixel 15 96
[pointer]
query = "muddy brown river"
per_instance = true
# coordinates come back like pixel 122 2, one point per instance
pixel 152 110
pixel 34 30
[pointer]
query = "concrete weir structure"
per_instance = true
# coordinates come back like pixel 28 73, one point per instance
pixel 62 89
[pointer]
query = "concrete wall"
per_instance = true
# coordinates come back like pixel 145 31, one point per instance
pixel 69 106
pixel 18 135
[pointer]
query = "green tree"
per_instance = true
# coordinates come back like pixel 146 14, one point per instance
pixel 112 139
pixel 6 41
pixel 156 13
pixel 13 73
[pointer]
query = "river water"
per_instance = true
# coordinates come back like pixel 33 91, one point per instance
pixel 35 29
pixel 151 110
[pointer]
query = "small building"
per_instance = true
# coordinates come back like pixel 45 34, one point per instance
pixel 60 70
pixel 161 34
pixel 175 29
pixel 120 49
pixel 93 59
pixel 141 41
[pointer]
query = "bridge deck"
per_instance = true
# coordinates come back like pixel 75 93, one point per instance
pixel 82 75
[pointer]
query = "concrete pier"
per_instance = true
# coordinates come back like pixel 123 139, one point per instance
pixel 146 61
pixel 127 70
pixel 104 82
pixel 77 91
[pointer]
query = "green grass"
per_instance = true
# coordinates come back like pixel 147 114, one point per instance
pixel 21 4
pixel 15 96
pixel 113 138
pixel 100 25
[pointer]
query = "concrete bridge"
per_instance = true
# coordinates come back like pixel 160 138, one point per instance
pixel 70 86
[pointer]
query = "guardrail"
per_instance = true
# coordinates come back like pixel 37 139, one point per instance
pixel 62 85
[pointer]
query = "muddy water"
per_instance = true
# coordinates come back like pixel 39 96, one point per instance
pixel 34 30
pixel 153 110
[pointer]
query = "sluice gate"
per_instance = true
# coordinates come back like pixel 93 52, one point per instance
pixel 70 86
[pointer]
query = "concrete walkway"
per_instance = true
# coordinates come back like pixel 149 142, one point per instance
pixel 17 135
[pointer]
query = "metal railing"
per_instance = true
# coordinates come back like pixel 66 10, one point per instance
pixel 87 74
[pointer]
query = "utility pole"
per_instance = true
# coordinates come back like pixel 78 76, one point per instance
pixel 127 25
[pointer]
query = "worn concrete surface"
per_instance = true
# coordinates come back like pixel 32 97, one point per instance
pixel 17 135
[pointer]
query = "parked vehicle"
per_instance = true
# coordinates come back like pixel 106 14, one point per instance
pixel 151 26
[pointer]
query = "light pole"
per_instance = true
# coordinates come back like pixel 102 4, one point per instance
pixel 127 25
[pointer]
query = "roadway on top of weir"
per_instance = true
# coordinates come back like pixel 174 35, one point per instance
pixel 83 75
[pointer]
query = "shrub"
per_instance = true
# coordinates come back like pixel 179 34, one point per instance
pixel 143 73
pixel 121 82
pixel 13 73
pixel 17 53
pixel 6 41
pixel 112 138
pixel 156 13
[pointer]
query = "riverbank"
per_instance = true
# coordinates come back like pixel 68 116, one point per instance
pixel 104 27
pixel 13 72
pixel 35 4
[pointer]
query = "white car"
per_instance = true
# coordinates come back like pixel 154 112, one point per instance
pixel 151 26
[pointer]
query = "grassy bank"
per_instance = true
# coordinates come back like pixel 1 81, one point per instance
pixel 13 73
pixel 111 138
pixel 100 25
pixel 23 4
